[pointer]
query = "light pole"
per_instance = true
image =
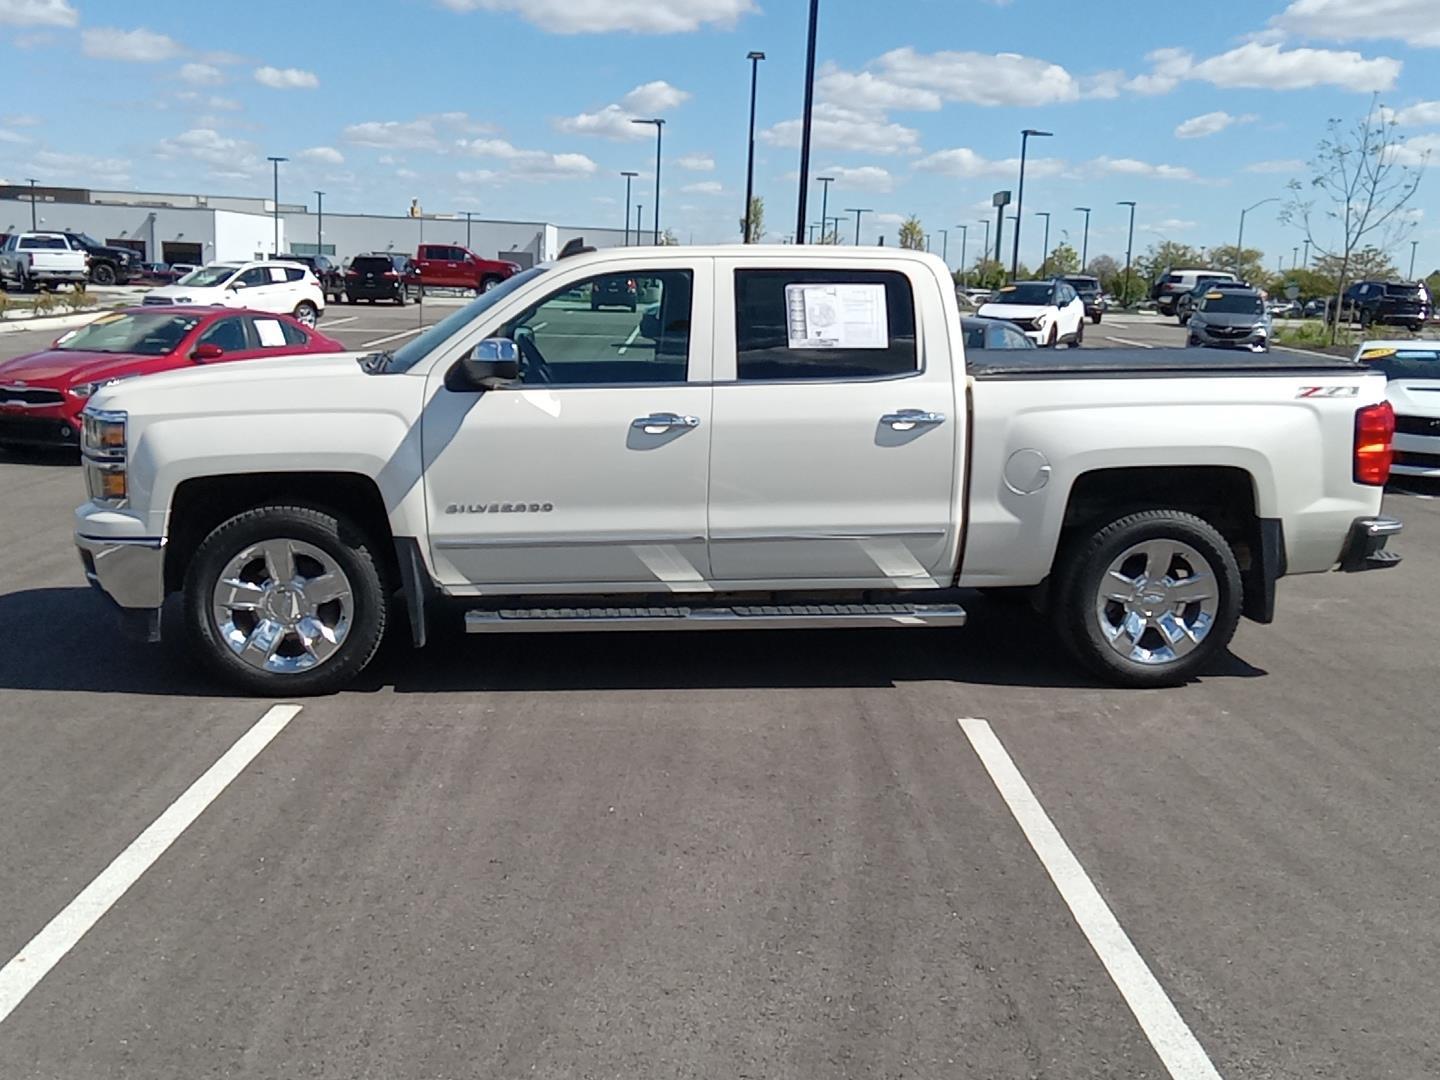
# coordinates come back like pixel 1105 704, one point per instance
pixel 986 248
pixel 825 182
pixel 1085 244
pixel 754 58
pixel 1240 239
pixel 467 229
pixel 1020 194
pixel 1045 256
pixel 1306 263
pixel 639 217
pixel 320 221
pixel 836 231
pixel 33 223
pixel 654 209
pixel 1129 245
pixel 857 211
pixel 964 242
pixel 628 177
pixel 275 203
pixel 945 247
pixel 1413 245
pixel 1294 258
pixel 805 121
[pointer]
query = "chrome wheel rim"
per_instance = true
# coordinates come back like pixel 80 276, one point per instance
pixel 1157 602
pixel 283 606
pixel 305 315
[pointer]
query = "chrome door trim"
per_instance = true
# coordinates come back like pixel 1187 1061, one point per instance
pixel 869 534
pixel 460 543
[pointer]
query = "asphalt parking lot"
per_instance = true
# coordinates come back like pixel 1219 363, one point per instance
pixel 720 855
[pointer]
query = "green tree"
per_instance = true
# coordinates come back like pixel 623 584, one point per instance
pixel 987 274
pixel 912 234
pixel 668 238
pixel 1250 266
pixel 1367 264
pixel 757 221
pixel 1063 259
pixel 1432 286
pixel 1106 269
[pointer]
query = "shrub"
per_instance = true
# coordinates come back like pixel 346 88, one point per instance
pixel 76 299
pixel 45 303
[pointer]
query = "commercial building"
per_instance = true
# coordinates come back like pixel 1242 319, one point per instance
pixel 173 228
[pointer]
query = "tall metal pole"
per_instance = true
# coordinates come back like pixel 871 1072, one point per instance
pixel 639 217
pixel 1020 196
pixel 275 204
pixel 1306 263
pixel 857 211
pixel 1085 244
pixel 800 209
pixel 1294 258
pixel 964 240
pixel 34 224
pixel 754 58
pixel 655 207
pixel 320 222
pixel 986 248
pixel 467 229
pixel 1045 255
pixel 1414 244
pixel 825 182
pixel 945 246
pixel 1129 246
pixel 628 177
pixel 1240 239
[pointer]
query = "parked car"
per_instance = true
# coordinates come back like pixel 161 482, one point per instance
pixel 382 275
pixel 108 265
pixel 452 267
pixel 30 259
pixel 1230 319
pixel 822 454
pixel 1172 284
pixel 1412 371
pixel 1387 303
pixel 282 287
pixel 992 334
pixel 159 273
pixel 618 291
pixel 1185 302
pixel 42 394
pixel 181 269
pixel 1089 291
pixel 327 272
pixel 1050 313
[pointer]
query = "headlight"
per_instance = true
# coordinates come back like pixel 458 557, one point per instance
pixel 85 390
pixel 103 446
pixel 1262 331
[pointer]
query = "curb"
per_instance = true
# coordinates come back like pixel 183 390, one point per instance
pixel 49 322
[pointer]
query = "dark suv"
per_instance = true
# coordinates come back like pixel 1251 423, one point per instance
pixel 108 265
pixel 382 275
pixel 615 290
pixel 1088 289
pixel 327 272
pixel 1386 303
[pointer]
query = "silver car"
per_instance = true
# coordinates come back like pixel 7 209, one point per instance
pixel 1230 319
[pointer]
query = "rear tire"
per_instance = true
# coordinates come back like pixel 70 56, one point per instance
pixel 402 297
pixel 306 314
pixel 1096 318
pixel 1148 600
pixel 486 284
pixel 336 546
pixel 102 274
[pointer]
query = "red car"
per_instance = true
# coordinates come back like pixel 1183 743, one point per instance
pixel 449 266
pixel 42 394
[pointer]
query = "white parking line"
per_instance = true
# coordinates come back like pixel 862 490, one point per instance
pixel 345 319
pixel 630 340
pixel 1175 1044
pixel 47 948
pixel 393 337
pixel 1127 341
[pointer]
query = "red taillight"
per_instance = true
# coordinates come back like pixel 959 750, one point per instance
pixel 1374 432
pixel 630 284
pixel 391 274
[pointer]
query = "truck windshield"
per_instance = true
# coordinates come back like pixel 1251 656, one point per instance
pixel 1026 292
pixel 208 276
pixel 137 334
pixel 415 350
pixel 1233 303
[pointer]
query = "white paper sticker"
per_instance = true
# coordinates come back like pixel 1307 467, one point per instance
pixel 277 273
pixel 270 333
pixel 837 317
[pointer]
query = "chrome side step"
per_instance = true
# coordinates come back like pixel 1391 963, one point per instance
pixel 759 617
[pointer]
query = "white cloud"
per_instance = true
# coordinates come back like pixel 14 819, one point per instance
pixel 1170 225
pixel 967 164
pixel 1418 152
pixel 1278 165
pixel 50 165
pixel 20 120
pixel 606 16
pixel 323 155
pixel 230 158
pixel 12 137
pixel 137 46
pixel 837 128
pixel 697 163
pixel 199 74
pixel 981 78
pixel 1211 123
pixel 1267 66
pixel 861 178
pixel 407 174
pixel 655 97
pixel 393 134
pixel 531 164
pixel 1133 167
pixel 1421 114
pixel 611 122
pixel 867 92
pixel 1412 21
pixel 476 176
pixel 705 187
pixel 286 78
pixel 37 13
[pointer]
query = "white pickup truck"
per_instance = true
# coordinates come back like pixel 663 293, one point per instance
pixel 779 438
pixel 36 258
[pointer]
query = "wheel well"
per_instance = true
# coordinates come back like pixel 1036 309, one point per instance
pixel 205 502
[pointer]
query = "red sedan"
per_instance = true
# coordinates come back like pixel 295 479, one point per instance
pixel 42 394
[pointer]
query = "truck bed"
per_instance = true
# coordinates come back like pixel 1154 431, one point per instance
pixel 1143 363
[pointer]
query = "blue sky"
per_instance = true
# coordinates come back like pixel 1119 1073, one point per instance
pixel 521 108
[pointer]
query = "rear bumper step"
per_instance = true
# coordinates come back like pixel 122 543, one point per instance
pixel 1365 547
pixel 758 617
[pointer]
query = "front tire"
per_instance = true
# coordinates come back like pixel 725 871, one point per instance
pixel 1096 318
pixel 306 313
pixel 102 274
pixel 285 601
pixel 1053 339
pixel 1148 600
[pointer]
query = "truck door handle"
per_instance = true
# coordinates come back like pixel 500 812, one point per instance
pixel 659 423
pixel 910 419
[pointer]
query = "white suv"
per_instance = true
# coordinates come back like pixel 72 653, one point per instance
pixel 1175 283
pixel 282 288
pixel 1049 313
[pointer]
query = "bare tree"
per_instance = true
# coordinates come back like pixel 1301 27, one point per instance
pixel 1362 178
pixel 912 234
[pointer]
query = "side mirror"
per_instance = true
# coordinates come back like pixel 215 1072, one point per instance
pixel 492 364
pixel 235 286
pixel 207 352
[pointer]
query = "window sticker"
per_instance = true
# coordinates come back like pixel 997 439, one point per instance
pixel 277 273
pixel 837 317
pixel 271 335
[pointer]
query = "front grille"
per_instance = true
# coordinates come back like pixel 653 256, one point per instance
pixel 35 431
pixel 1417 425
pixel 1417 461
pixel 1229 331
pixel 29 398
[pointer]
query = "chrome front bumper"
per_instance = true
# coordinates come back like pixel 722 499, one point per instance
pixel 130 571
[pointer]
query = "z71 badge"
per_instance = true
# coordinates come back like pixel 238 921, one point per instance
pixel 499 508
pixel 1327 391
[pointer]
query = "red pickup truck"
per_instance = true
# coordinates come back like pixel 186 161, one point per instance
pixel 449 266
